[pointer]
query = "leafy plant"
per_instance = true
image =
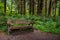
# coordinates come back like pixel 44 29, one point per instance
pixel 47 26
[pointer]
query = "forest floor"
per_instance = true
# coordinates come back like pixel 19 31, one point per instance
pixel 36 35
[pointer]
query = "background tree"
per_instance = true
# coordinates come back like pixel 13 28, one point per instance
pixel 45 7
pixel 59 7
pixel 39 7
pixel 50 5
pixel 55 7
pixel 5 6
pixel 31 7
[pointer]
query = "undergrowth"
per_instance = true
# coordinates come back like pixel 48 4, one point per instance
pixel 51 25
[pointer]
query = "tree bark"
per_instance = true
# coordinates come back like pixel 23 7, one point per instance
pixel 39 7
pixel 50 4
pixel 4 6
pixel 55 6
pixel 31 7
pixel 59 8
pixel 45 7
pixel 52 7
pixel 23 6
pixel 11 6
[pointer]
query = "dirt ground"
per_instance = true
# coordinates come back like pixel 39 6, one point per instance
pixel 36 35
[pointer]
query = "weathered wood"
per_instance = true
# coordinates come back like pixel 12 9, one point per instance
pixel 10 27
pixel 25 27
pixel 19 22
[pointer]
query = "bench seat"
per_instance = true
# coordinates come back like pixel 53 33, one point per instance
pixel 29 25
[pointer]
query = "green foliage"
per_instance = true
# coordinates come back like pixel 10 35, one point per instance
pixel 47 26
pixel 40 23
pixel 1 5
pixel 57 19
pixel 3 26
pixel 51 25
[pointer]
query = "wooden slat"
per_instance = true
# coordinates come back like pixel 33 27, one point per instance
pixel 12 28
pixel 18 22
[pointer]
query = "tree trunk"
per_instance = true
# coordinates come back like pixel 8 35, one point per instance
pixel 50 4
pixel 23 6
pixel 18 8
pixel 39 7
pixel 31 7
pixel 55 6
pixel 4 6
pixel 45 7
pixel 11 6
pixel 59 8
pixel 52 7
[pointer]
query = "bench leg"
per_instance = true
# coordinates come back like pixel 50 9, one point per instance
pixel 32 29
pixel 8 31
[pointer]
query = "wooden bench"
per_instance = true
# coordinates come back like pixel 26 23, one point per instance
pixel 29 25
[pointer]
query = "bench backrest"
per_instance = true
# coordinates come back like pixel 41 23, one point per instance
pixel 19 21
